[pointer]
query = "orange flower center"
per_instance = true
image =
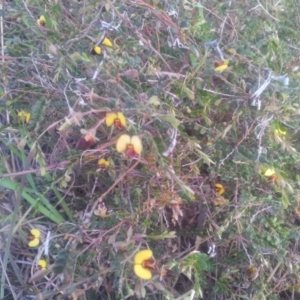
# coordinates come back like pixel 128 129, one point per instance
pixel 218 63
pixel 118 124
pixel 31 237
pixel 130 150
pixel 251 270
pixel 273 178
pixel 149 264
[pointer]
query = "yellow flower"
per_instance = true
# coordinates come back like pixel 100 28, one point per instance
pixel 42 264
pixel 24 116
pixel 252 272
pixel 280 132
pixel 116 119
pixel 222 66
pixel 107 42
pixel 219 188
pixel 143 262
pixel 131 146
pixel 96 50
pixel 101 211
pixel 269 172
pixel 103 163
pixel 34 238
pixel 41 21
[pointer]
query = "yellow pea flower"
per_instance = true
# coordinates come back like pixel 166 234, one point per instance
pixel 117 119
pixel 143 263
pixel 280 132
pixel 96 50
pixel 130 145
pixel 269 172
pixel 101 211
pixel 42 264
pixel 219 188
pixel 24 116
pixel 103 163
pixel 41 21
pixel 252 272
pixel 34 237
pixel 221 66
pixel 106 42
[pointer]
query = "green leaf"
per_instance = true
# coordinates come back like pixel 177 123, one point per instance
pixel 61 261
pixel 285 200
pixel 169 118
pixel 154 100
pixel 189 93
pixel 164 235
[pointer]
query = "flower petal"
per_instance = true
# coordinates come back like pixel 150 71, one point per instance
pixel 35 232
pixel 142 255
pixel 122 119
pixel 102 162
pixel 34 243
pixel 96 50
pixel 142 272
pixel 280 132
pixel 107 42
pixel 41 21
pixel 137 144
pixel 110 119
pixel 226 62
pixel 122 143
pixel 219 189
pixel 269 172
pixel 42 264
pixel 24 116
pixel 28 117
pixel 221 68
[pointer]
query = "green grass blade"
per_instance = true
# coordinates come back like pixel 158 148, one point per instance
pixel 50 212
